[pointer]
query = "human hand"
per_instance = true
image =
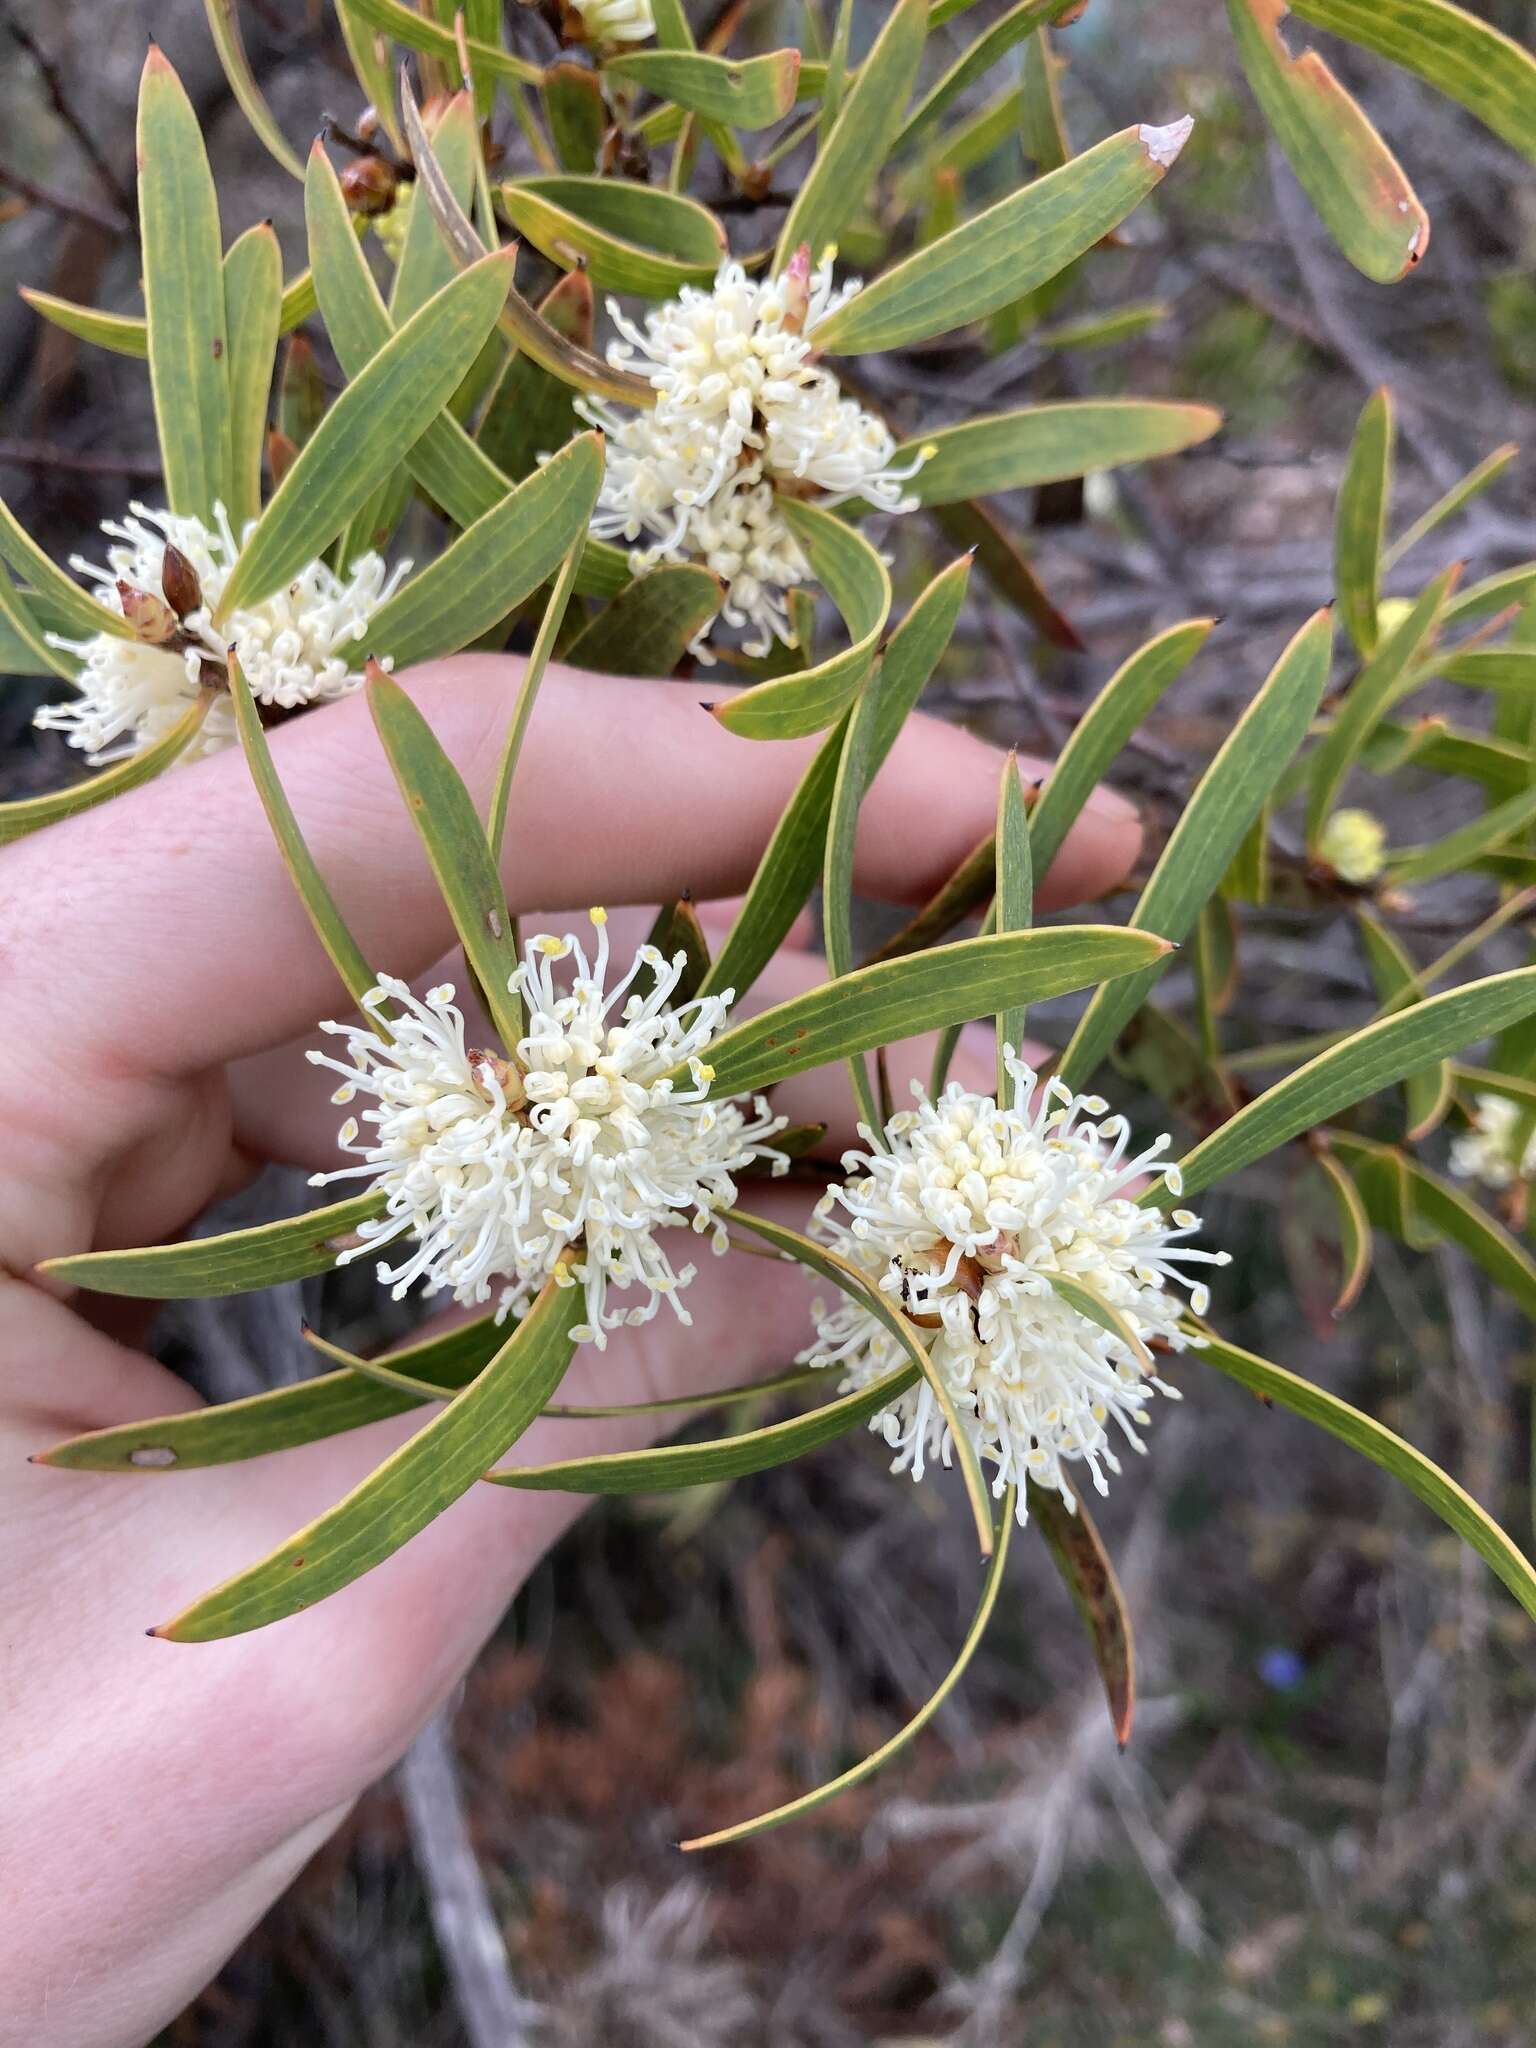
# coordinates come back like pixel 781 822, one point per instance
pixel 160 982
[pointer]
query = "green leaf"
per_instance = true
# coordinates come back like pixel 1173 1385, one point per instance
pixel 253 291
pixel 417 32
pixel 860 138
pixel 1010 29
pixel 1007 251
pixel 577 114
pixel 1409 1202
pixel 183 292
pixel 1346 170
pixel 427 1474
pixel 1429 1090
pixel 991 1585
pixel 77 611
pixel 1006 567
pixel 382 412
pixel 1456 850
pixel 1078 1552
pixel 791 861
pixel 626 238
pixel 1359 1066
pixel 530 412
pixel 1389 675
pixel 29 639
pixel 31 813
pixel 426 262
pixel 1227 799
pixel 342 950
pixel 900 998
pixel 576 366
pixel 1493 594
pixel 1119 710
pixel 126 335
pixel 1472 63
pixel 855 579
pixel 1496 766
pixel 1490 668
pixel 837 869
pixel 649 626
pixel 224 22
pixel 1398 1459
pixel 235 1262
pixel 449 827
pixel 1015 901
pixel 1355 1242
pixel 1450 502
pixel 1042 444
pixel 494 564
pixel 283 1416
pixel 527 693
pixel 1360 525
pixel 746 92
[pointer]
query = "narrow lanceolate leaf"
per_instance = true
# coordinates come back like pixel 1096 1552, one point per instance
pixel 125 334
pixel 573 365
pixel 1469 61
pixel 667 1468
pixel 1041 444
pixel 1027 18
pixel 745 92
pixel 1455 1507
pixel 1015 900
pixel 183 292
pixel 1347 171
pixel 29 637
pixel 860 139
pixel 1429 1090
pixel 649 626
pixel 900 998
pixel 1456 850
pixel 1391 672
pixel 1360 1066
pixel 494 564
pixel 791 861
pixel 253 293
pixel 379 415
pixel 419 32
pixel 1360 526
pixel 426 1475
pixel 1078 1552
pixel 31 813
pixel 626 238
pixel 857 1773
pixel 224 21
pixel 530 412
pixel 1355 1242
pixel 233 1263
pixel 837 868
pixel 343 951
pixel 1229 796
pixel 1476 480
pixel 444 815
pixel 1119 710
pixel 370 56
pixel 855 579
pixel 1493 594
pixel 1490 668
pixel 1414 1205
pixel 858 1287
pixel 284 1416
pixel 1008 250
pixel 77 612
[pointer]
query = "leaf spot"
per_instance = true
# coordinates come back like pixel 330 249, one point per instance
pixel 156 1456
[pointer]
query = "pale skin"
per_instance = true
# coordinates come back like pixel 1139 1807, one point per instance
pixel 158 982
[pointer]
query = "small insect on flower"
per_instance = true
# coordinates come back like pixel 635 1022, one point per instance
pixel 1491 1152
pixel 964 1215
pixel 568 1153
pixel 295 647
pixel 743 413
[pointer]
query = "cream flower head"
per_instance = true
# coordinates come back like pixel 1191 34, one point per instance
pixel 616 21
pixel 1489 1152
pixel 570 1155
pixel 963 1216
pixel 742 411
pixel 1354 844
pixel 296 647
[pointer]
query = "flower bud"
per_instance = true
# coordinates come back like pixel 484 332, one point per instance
pixel 368 185
pixel 150 617
pixel 1354 845
pixel 797 289
pixel 178 579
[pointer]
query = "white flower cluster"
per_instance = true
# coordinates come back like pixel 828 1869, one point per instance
pixel 567 1157
pixel 616 21
pixel 963 1218
pixel 1488 1152
pixel 295 647
pixel 742 410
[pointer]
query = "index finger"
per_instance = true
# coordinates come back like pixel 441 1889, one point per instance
pixel 164 925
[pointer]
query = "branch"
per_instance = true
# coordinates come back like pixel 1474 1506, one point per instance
pixel 53 79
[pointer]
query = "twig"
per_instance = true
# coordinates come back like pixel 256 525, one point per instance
pixel 474 1954
pixel 49 455
pixel 84 210
pixel 52 78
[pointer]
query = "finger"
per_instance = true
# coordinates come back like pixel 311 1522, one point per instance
pixel 175 939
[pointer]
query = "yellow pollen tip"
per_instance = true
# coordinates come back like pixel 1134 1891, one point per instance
pixel 549 944
pixel 706 1073
pixel 597 914
pixel 829 254
pixel 928 450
